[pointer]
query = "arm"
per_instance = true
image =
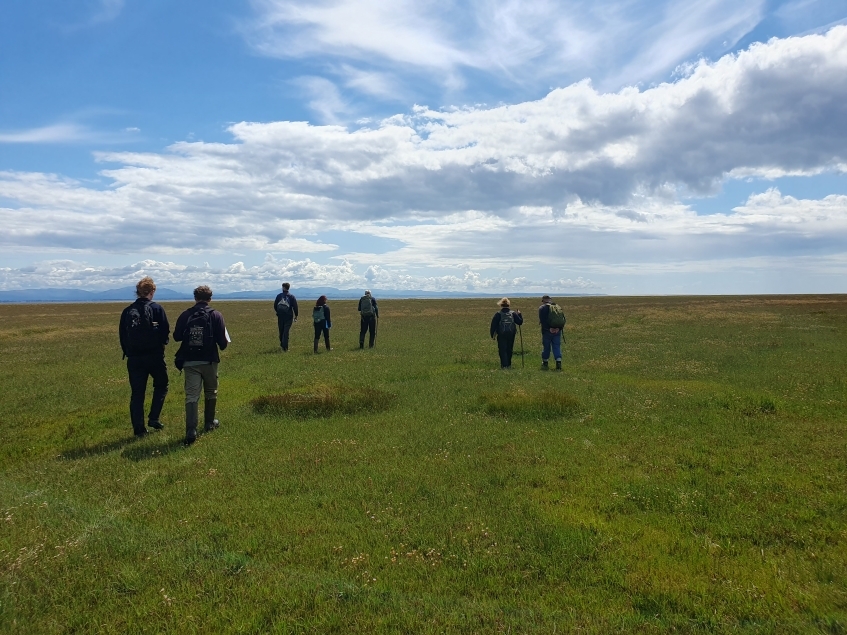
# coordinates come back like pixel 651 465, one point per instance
pixel 518 318
pixel 327 316
pixel 495 323
pixel 164 327
pixel 294 306
pixel 179 329
pixel 121 332
pixel 219 330
pixel 376 308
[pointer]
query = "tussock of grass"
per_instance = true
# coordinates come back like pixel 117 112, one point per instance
pixel 549 403
pixel 323 401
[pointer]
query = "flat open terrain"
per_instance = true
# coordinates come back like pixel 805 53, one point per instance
pixel 687 472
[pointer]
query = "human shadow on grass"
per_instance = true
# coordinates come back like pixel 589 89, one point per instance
pixel 86 451
pixel 148 451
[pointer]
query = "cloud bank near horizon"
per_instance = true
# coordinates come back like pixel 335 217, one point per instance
pixel 575 182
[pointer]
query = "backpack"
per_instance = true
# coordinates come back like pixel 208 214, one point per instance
pixel 556 319
pixel 367 306
pixel 198 336
pixel 507 323
pixel 318 314
pixel 139 329
pixel 283 307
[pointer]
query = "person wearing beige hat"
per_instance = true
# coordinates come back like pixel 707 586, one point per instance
pixel 504 326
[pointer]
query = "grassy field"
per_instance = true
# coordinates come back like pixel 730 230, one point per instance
pixel 687 472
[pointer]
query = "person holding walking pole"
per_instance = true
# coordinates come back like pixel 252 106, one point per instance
pixel 504 327
pixel 370 314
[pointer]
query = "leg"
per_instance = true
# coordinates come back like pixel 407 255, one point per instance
pixel 193 383
pixel 137 372
pixel 326 338
pixel 502 350
pixel 363 328
pixel 210 392
pixel 372 329
pixel 545 353
pixel 159 370
pixel 285 329
pixel 510 347
pixel 318 329
pixel 557 349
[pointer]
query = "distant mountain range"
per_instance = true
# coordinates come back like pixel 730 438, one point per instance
pixel 127 294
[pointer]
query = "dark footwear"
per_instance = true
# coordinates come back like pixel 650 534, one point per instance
pixel 191 417
pixel 156 425
pixel 544 366
pixel 559 364
pixel 209 415
pixel 142 433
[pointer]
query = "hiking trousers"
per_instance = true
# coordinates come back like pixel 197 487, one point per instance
pixel 505 346
pixel 284 325
pixel 203 376
pixel 551 340
pixel 320 327
pixel 368 325
pixel 139 368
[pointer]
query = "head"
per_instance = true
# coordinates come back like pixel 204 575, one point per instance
pixel 286 286
pixel 546 299
pixel 321 301
pixel 368 292
pixel 504 303
pixel 202 294
pixel 145 287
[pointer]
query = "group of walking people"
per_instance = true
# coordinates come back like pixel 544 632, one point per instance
pixel 201 331
pixel 287 311
pixel 505 325
pixel 144 334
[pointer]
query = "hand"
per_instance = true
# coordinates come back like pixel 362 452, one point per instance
pixel 295 319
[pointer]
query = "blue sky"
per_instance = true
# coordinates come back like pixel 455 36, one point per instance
pixel 616 147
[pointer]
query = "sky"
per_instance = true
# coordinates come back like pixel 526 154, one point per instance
pixel 625 147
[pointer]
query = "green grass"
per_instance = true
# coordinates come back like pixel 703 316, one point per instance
pixel 687 472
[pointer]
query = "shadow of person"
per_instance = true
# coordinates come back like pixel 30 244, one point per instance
pixel 74 454
pixel 148 451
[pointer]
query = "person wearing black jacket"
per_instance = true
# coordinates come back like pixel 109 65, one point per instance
pixel 323 321
pixel 504 327
pixel 144 333
pixel 285 307
pixel 370 314
pixel 202 331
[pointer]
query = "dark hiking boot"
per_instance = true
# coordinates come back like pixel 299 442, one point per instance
pixel 316 345
pixel 140 434
pixel 191 417
pixel 558 364
pixel 209 415
pixel 545 365
pixel 156 425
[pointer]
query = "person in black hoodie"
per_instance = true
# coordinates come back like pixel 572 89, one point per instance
pixel 144 333
pixel 285 307
pixel 202 331
pixel 322 320
pixel 504 326
pixel 369 312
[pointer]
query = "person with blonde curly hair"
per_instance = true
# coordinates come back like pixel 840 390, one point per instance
pixel 144 334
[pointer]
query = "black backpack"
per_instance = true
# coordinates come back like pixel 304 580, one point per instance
pixel 507 323
pixel 140 329
pixel 283 307
pixel 367 306
pixel 199 337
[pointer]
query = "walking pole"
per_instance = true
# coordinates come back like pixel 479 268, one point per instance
pixel 521 334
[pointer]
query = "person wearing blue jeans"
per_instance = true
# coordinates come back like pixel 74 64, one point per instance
pixel 551 338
